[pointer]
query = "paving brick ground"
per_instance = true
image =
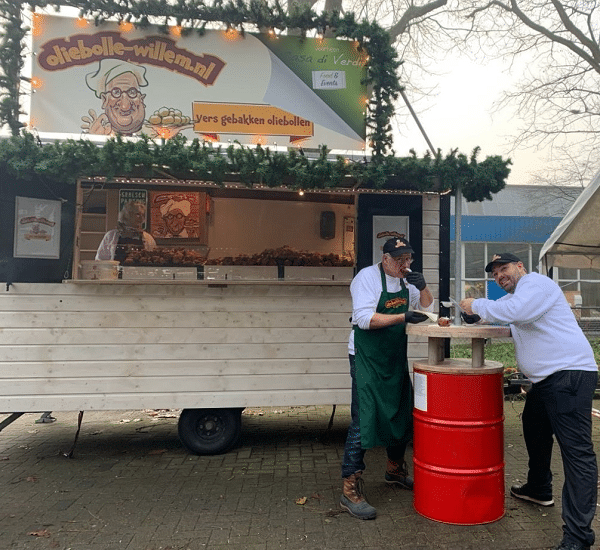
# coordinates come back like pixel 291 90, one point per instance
pixel 132 486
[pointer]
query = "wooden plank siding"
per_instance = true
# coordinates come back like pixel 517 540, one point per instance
pixel 431 268
pixel 127 345
pixel 102 345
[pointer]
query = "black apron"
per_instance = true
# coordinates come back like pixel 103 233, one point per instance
pixel 383 382
pixel 125 244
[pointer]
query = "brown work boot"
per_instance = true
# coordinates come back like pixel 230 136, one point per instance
pixel 397 474
pixel 353 500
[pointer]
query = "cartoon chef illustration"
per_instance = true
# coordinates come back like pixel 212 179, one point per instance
pixel 118 84
pixel 174 214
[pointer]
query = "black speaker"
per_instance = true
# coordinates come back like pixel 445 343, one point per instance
pixel 327 229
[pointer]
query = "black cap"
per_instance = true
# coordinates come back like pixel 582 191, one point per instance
pixel 397 246
pixel 504 258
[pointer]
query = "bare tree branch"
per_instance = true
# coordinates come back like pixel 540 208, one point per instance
pixel 414 13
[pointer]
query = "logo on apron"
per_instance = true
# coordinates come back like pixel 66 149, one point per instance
pixel 395 302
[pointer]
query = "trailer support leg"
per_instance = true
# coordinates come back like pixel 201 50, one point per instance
pixel 79 419
pixel 8 421
pixel 325 437
pixel 331 419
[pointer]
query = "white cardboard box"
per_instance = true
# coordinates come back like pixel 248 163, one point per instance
pixel 240 272
pixel 305 273
pixel 173 273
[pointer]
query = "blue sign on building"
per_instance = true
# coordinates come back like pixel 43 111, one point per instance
pixel 513 229
pixel 493 291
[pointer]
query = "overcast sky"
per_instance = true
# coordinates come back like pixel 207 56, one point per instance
pixel 461 116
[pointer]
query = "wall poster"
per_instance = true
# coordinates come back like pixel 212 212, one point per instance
pixel 37 228
pixel 177 216
pixel 136 195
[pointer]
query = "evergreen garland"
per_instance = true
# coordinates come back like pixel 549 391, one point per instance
pixel 25 159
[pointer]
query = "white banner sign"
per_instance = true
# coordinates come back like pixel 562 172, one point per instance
pixel 221 86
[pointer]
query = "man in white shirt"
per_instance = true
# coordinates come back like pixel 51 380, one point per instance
pixel 382 398
pixel 553 352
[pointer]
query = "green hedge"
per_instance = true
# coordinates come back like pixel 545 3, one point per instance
pixel 504 352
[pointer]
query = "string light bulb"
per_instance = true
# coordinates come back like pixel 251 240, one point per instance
pixel 125 26
pixel 37 21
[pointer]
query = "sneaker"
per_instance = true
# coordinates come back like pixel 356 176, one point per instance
pixel 397 474
pixel 524 493
pixel 571 546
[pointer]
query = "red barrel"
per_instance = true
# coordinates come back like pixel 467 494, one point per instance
pixel 459 442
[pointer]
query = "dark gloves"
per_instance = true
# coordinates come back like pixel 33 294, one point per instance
pixel 415 278
pixel 414 316
pixel 470 319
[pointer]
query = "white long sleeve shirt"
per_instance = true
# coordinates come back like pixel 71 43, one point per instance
pixel 546 335
pixel 366 290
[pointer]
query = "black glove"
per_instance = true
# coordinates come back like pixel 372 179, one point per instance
pixel 470 319
pixel 415 278
pixel 414 316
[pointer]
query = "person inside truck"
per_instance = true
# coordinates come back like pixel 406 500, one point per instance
pixel 384 298
pixel 129 234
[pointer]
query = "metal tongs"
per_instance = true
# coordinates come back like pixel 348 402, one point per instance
pixel 452 304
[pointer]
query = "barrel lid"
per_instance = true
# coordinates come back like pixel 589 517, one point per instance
pixel 460 366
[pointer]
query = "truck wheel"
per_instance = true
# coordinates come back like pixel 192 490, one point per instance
pixel 210 431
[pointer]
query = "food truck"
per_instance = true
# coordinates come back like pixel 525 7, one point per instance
pixel 250 308
pixel 242 299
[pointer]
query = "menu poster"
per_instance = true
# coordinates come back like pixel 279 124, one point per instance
pixel 37 228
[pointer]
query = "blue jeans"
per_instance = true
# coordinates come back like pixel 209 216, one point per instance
pixel 561 405
pixel 354 454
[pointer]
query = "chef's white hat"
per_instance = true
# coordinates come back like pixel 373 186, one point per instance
pixel 110 68
pixel 182 205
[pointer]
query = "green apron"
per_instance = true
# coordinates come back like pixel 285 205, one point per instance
pixel 384 389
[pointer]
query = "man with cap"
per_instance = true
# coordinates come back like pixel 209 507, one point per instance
pixel 553 352
pixel 382 400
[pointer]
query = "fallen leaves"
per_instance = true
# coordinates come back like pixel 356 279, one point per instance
pixel 40 533
pixel 163 413
pixel 261 412
pixel 157 452
pixel 301 500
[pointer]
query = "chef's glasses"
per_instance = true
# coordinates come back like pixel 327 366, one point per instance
pixel 403 260
pixel 132 93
